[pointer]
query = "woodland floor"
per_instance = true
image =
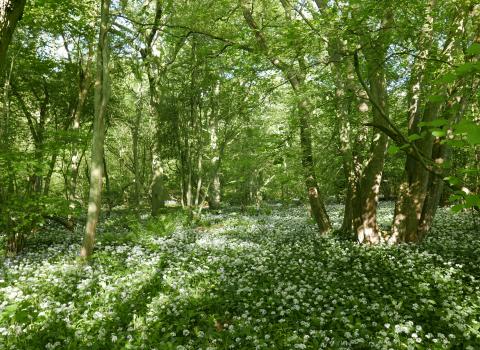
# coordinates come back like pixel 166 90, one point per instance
pixel 237 281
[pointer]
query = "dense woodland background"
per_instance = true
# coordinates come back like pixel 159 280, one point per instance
pixel 239 102
pixel 339 130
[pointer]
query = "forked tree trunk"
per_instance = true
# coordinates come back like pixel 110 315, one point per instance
pixel 420 192
pixel 102 94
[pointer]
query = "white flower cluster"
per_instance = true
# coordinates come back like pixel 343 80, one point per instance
pixel 260 282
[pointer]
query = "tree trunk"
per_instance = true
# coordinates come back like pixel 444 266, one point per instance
pixel 108 192
pixel 214 189
pixel 84 85
pixel 11 12
pixel 366 201
pixel 296 78
pixel 48 177
pixel 102 94
pixel 136 166
pixel 420 191
pixel 157 187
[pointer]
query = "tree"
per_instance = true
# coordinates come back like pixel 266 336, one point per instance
pixel 102 94
pixel 10 13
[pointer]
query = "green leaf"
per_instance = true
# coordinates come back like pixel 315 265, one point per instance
pixel 472 200
pixel 437 123
pixel 436 98
pixel 456 208
pixel 473 135
pixel 464 126
pixel 447 78
pixel 454 197
pixel 439 133
pixel 392 149
pixel 452 180
pixel 414 137
pixel 465 69
pixel 474 49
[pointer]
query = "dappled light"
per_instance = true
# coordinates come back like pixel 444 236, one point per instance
pixel 268 281
pixel 254 174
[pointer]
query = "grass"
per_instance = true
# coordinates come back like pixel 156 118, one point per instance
pixel 237 281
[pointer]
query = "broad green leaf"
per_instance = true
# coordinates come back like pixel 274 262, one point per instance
pixel 454 197
pixel 447 78
pixel 473 135
pixel 464 126
pixel 474 49
pixel 465 69
pixel 393 149
pixel 434 123
pixel 458 207
pixel 472 200
pixel 414 137
pixel 452 180
pixel 439 133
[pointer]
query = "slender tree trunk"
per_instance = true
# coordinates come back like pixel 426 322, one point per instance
pixel 296 78
pixel 48 177
pixel 136 165
pixel 157 187
pixel 84 85
pixel 214 190
pixel 102 94
pixel 199 181
pixel 108 192
pixel 317 206
pixel 343 103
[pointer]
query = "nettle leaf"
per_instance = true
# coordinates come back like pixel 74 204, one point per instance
pixel 392 150
pixel 474 49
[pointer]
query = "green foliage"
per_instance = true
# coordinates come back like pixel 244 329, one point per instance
pixel 20 218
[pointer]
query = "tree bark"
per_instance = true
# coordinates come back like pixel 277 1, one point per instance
pixel 11 12
pixel 102 95
pixel 84 86
pixel 368 186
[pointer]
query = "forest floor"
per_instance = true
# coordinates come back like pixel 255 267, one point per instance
pixel 235 281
